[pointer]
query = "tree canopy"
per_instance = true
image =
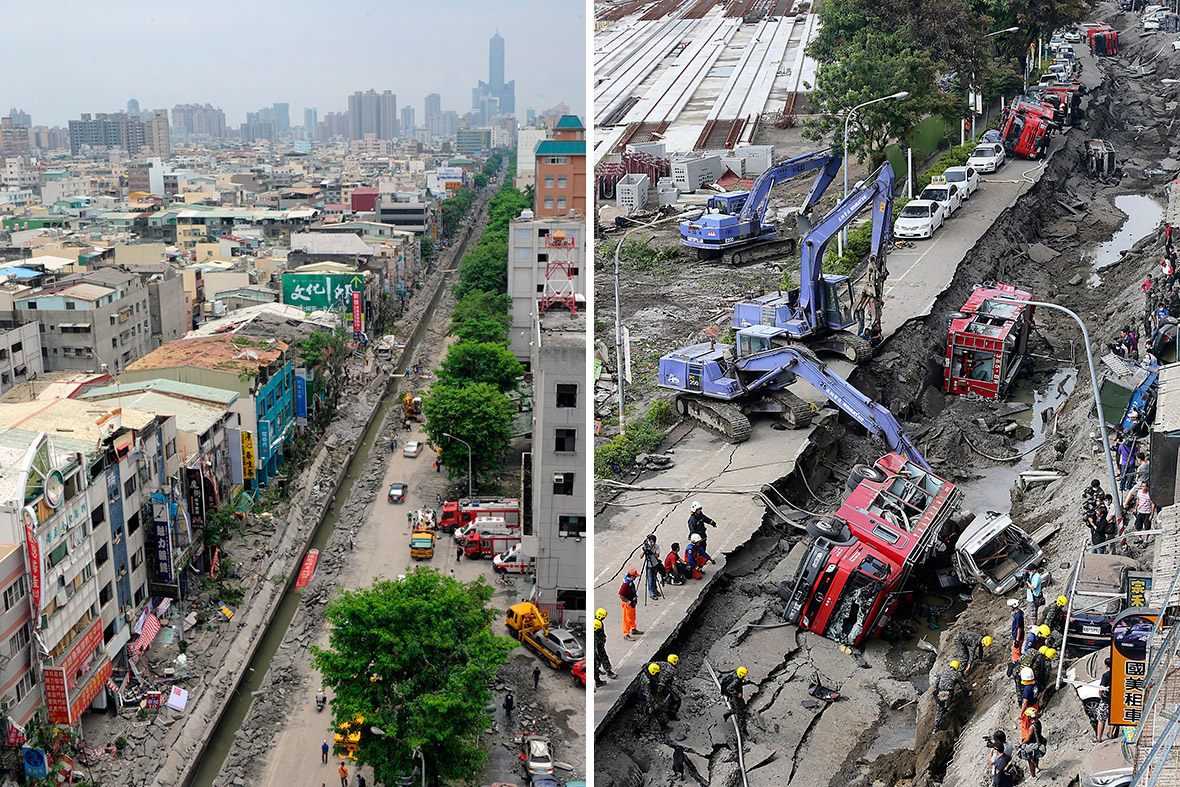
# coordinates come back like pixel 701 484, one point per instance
pixel 414 657
pixel 454 208
pixel 478 413
pixel 480 362
pixel 481 316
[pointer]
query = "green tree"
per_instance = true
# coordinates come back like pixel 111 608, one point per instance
pixel 874 63
pixel 481 317
pixel 472 362
pixel 426 248
pixel 478 413
pixel 454 208
pixel 480 180
pixel 414 657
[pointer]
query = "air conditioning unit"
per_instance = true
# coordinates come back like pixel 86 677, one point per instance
pixel 559 478
pixel 6 706
pixel 129 614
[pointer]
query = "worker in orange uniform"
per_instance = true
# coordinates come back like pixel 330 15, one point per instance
pixel 629 598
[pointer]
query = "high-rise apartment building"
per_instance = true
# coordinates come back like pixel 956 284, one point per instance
pixel 132 106
pixel 200 120
pixel 433 109
pixel 104 132
pixel 372 113
pixel 311 119
pixel 282 116
pixel 504 92
pixel 407 126
pixel 156 133
pixel 20 117
pixel 14 138
pixel 561 170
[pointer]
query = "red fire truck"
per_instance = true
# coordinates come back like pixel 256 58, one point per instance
pixel 487 545
pixel 459 512
pixel 897 516
pixel 1103 39
pixel 987 342
pixel 1025 133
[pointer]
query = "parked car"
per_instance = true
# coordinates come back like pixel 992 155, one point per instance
pixel 919 219
pixel 413 448
pixel 397 493
pixel 578 670
pixel 1084 676
pixel 538 760
pixel 946 194
pixel 1073 36
pixel 987 157
pixel 966 178
pixel 565 644
pixel 1099 594
pixel 1109 764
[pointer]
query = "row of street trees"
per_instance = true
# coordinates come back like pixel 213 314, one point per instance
pixel 934 49
pixel 471 398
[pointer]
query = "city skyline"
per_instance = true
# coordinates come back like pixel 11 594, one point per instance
pixel 325 76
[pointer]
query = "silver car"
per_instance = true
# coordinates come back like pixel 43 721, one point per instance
pixel 1108 764
pixel 565 644
pixel 993 551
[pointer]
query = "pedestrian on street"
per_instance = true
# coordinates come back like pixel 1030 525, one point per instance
pixel 1017 631
pixel 438 465
pixel 675 569
pixel 1104 704
pixel 324 753
pixel 343 775
pixel 536 677
pixel 629 598
pixel 439 500
pixel 1033 595
pixel 1144 509
pixel 360 781
pixel 696 525
pixel 351 539
pixel 999 745
pixel 1032 742
pixel 509 704
pixel 652 566
pixel 458 553
pixel 1002 769
pixel 452 573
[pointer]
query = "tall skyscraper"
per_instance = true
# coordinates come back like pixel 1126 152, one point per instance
pixel 282 117
pixel 407 126
pixel 156 135
pixel 203 121
pixel 496 87
pixel 311 119
pixel 372 113
pixel 132 106
pixel 20 117
pixel 433 109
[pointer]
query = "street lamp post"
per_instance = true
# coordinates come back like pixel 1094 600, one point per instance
pixel 470 495
pixel 1114 483
pixel 843 237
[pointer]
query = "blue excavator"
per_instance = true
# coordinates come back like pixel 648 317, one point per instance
pixel 721 385
pixel 737 231
pixel 821 310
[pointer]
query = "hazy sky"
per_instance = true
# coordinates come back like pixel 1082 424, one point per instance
pixel 244 54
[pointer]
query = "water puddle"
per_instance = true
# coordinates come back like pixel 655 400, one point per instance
pixel 898 731
pixel 1143 215
pixel 989 491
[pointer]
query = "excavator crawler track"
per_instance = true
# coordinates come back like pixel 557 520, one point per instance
pixel 754 253
pixel 792 410
pixel 723 418
pixel 845 343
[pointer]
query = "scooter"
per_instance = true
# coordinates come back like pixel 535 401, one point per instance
pixel 320 700
pixel 820 691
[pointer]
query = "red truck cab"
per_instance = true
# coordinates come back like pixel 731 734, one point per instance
pixel 456 513
pixel 1102 39
pixel 847 585
pixel 987 342
pixel 487 545
pixel 1025 134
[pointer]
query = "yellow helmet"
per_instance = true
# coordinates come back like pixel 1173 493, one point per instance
pixel 1043 630
pixel 1031 713
pixel 742 672
pixel 1043 649
pixel 986 642
pixel 954 665
pixel 1051 653
pixel 1062 601
pixel 653 669
pixel 600 614
pixel 598 625
pixel 673 659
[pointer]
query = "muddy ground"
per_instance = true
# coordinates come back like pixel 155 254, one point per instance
pixel 861 740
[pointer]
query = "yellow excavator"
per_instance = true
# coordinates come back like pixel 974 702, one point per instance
pixel 411 406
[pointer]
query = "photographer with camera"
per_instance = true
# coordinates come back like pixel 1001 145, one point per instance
pixel 653 564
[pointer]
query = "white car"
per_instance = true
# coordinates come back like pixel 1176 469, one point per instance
pixel 987 157
pixel 1176 46
pixel 413 448
pixel 919 219
pixel 1074 36
pixel 1151 25
pixel 945 194
pixel 966 178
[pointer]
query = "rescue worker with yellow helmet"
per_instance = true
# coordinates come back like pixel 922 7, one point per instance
pixel 944 687
pixel 731 689
pixel 601 660
pixel 969 646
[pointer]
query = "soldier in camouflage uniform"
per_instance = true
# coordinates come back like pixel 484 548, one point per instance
pixel 944 690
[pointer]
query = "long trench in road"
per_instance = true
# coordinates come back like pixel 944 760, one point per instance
pixel 211 759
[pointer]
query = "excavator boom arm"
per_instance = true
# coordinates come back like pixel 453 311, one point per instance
pixel 872 416
pixel 755 205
